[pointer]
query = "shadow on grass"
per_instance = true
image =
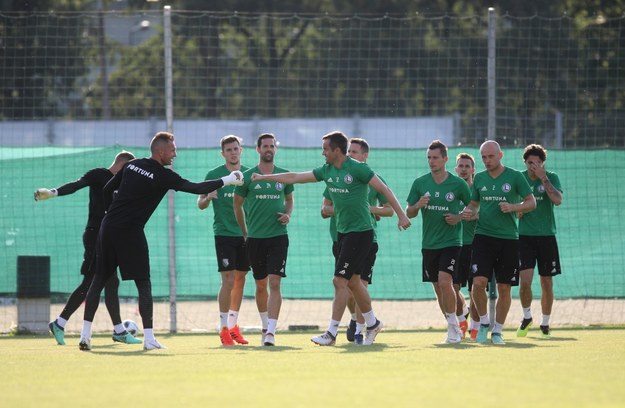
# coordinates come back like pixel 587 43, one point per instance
pixel 355 348
pixel 125 353
pixel 473 345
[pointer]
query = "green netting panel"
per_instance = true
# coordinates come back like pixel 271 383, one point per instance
pixel 590 226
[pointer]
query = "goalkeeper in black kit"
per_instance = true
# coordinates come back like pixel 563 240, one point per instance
pixel 140 186
pixel 95 179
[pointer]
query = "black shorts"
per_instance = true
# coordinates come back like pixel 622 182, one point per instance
pixel 231 254
pixel 542 250
pixel 268 256
pixel 335 250
pixel 370 263
pixel 440 260
pixel 463 268
pixel 498 256
pixel 89 239
pixel 352 246
pixel 125 248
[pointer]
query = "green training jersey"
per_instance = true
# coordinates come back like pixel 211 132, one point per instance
pixel 224 222
pixel 541 221
pixel 348 188
pixel 374 198
pixel 264 200
pixel 448 197
pixel 510 186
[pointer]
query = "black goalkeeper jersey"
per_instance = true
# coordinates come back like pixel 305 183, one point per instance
pixel 141 185
pixel 95 179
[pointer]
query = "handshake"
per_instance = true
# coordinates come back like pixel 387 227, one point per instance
pixel 235 178
pixel 44 194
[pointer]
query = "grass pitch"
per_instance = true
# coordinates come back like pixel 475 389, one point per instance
pixel 577 367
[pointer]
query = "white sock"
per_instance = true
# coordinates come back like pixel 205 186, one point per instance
pixel 223 319
pixel 546 320
pixel 360 328
pixel 497 327
pixel 264 317
pixel 271 325
pixel 148 334
pixel 527 312
pixel 484 319
pixel 465 310
pixel 61 322
pixel 461 318
pixel 119 328
pixel 475 324
pixel 86 330
pixel 333 327
pixel 452 319
pixel 233 316
pixel 370 319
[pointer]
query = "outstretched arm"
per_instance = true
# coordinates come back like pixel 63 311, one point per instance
pixel 403 222
pixel 287 178
pixel 69 188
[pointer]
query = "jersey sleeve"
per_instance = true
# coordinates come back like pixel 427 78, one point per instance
pixel 414 195
pixel 363 172
pixel 318 173
pixel 76 185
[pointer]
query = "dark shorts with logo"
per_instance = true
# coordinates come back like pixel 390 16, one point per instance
pixel 495 255
pixel 542 251
pixel 268 256
pixel 353 253
pixel 231 254
pixel 440 260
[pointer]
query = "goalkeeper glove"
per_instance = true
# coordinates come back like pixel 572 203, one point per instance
pixel 44 194
pixel 234 178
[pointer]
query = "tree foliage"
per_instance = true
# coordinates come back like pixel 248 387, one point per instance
pixel 325 58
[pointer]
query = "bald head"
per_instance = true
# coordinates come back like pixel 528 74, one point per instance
pixel 490 145
pixel 491 156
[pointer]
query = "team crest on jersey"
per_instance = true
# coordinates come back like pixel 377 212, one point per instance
pixel 279 186
pixel 541 189
pixel 506 188
pixel 348 179
pixel 450 197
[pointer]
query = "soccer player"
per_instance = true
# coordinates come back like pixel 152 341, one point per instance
pixel 140 185
pixel 264 227
pixel 95 179
pixel 441 196
pixel 348 181
pixel 498 192
pixel 465 169
pixel 379 207
pixel 537 238
pixel 232 262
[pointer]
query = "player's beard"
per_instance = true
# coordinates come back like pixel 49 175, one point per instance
pixel 267 157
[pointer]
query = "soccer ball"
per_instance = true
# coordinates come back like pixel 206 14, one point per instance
pixel 131 327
